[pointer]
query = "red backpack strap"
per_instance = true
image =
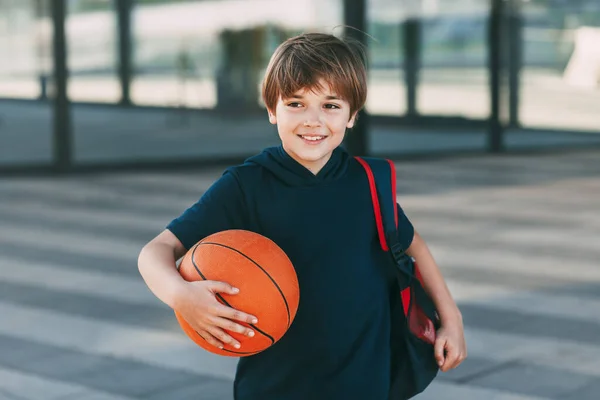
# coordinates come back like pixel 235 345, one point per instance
pixel 405 294
pixel 375 202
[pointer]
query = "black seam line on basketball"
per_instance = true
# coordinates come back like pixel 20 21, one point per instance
pixel 248 353
pixel 262 269
pixel 194 263
pixel 265 334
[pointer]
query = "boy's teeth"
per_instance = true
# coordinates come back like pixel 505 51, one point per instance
pixel 312 137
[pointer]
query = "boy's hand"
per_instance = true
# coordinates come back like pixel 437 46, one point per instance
pixel 450 347
pixel 198 305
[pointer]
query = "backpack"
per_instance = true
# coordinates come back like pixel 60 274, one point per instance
pixel 414 317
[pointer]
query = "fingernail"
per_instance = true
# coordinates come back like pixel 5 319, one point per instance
pixel 235 290
pixel 237 346
pixel 251 333
pixel 255 320
pixel 221 347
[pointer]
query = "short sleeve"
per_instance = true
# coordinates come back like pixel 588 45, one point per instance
pixel 406 231
pixel 220 208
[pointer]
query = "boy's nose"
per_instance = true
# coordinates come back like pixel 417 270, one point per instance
pixel 312 119
pixel 312 123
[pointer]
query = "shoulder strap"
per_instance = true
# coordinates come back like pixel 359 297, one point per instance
pixel 382 182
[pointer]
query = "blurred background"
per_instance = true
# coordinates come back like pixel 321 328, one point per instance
pixel 115 116
pixel 101 82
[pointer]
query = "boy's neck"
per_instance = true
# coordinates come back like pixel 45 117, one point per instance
pixel 313 166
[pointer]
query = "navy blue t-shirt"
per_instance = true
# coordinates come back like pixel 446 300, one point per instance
pixel 338 346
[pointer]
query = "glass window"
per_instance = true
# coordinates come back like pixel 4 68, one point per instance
pixel 25 68
pixel 387 91
pixel 92 45
pixel 560 79
pixel 25 48
pixel 446 40
pixel 453 80
pixel 215 54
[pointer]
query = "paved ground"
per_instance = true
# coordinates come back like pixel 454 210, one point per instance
pixel 516 236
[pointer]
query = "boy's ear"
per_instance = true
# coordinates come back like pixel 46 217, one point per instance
pixel 272 117
pixel 350 123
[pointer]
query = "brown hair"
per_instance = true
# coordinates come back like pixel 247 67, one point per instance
pixel 301 61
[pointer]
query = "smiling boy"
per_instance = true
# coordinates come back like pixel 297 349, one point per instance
pixel 311 198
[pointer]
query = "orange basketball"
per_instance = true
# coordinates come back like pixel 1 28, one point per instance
pixel 266 279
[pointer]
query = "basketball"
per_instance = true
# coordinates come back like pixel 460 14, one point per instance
pixel 262 272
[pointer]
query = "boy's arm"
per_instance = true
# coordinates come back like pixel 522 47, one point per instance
pixel 156 263
pixel 433 281
pixel 195 301
pixel 450 347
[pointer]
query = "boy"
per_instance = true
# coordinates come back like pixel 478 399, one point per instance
pixel 312 199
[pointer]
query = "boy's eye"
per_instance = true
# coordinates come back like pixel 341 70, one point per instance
pixel 294 104
pixel 332 106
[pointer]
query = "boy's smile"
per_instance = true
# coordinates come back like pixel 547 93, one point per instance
pixel 311 139
pixel 311 124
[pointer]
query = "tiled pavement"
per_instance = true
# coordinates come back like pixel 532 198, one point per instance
pixel 518 238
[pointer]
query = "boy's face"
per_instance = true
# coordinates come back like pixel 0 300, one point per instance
pixel 311 125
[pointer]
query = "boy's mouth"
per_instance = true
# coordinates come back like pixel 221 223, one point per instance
pixel 312 139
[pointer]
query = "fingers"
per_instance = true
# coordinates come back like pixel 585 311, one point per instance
pixel 216 333
pixel 210 339
pixel 217 321
pixel 228 312
pixel 449 360
pixel 218 336
pixel 453 358
pixel 222 337
pixel 457 359
pixel 231 326
pixel 236 315
pixel 438 350
pixel 222 287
